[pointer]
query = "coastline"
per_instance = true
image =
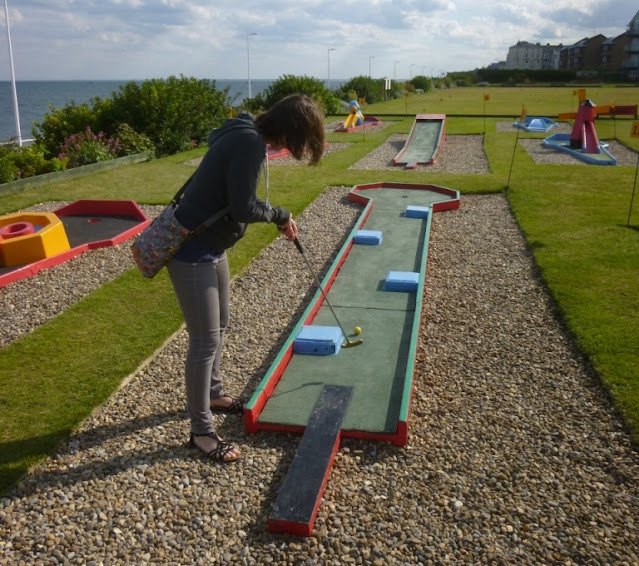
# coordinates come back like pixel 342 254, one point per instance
pixel 36 96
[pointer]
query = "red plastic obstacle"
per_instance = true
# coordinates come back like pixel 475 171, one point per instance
pixel 584 135
pixel 94 223
pixel 16 229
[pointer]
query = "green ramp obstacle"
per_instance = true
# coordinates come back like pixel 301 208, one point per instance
pixel 423 142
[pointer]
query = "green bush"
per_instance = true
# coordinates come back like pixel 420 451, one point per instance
pixel 516 75
pixel 132 142
pixel 351 95
pixel 168 115
pixel 291 84
pixel 422 82
pixel 365 87
pixel 408 87
pixel 59 124
pixel 8 169
pixel 86 148
pixel 20 162
pixel 175 114
pixel 31 161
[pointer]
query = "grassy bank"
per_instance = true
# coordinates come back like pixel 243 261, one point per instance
pixel 573 217
pixel 506 101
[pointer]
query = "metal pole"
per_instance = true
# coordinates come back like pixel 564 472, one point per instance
pixel 16 112
pixel 329 66
pixel 633 192
pixel 248 59
pixel 513 157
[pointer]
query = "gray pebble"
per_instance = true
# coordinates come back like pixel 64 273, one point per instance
pixel 515 455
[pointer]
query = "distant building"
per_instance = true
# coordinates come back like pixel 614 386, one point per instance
pixel 526 55
pixel 585 55
pixel 613 53
pixel 591 55
pixel 630 63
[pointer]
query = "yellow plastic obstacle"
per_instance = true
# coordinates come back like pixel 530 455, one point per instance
pixel 29 237
pixel 355 117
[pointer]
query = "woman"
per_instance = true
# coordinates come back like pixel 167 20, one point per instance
pixel 228 176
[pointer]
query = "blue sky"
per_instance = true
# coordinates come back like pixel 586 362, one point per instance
pixel 140 39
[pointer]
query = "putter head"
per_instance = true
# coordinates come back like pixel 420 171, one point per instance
pixel 352 343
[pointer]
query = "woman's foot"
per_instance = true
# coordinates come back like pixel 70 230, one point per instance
pixel 214 447
pixel 226 404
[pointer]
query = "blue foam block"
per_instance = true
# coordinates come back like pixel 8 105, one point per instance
pixel 401 281
pixel 368 237
pixel 417 211
pixel 318 340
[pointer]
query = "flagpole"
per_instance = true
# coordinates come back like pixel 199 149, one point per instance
pixel 13 78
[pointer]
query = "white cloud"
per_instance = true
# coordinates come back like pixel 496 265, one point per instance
pixel 136 39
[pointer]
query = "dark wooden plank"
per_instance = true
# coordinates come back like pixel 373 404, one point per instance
pixel 299 497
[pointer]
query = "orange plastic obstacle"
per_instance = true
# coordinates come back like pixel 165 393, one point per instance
pixel 29 237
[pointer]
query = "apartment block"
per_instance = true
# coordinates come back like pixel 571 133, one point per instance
pixel 525 55
pixel 597 54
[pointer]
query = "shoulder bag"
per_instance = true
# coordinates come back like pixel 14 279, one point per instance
pixel 160 241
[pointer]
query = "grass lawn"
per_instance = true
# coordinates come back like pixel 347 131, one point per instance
pixel 506 101
pixel 573 217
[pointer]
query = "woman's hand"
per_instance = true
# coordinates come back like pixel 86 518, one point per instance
pixel 289 229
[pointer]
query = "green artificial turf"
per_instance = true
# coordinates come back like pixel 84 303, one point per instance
pixel 573 216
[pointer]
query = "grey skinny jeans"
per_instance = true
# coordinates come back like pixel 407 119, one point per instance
pixel 203 292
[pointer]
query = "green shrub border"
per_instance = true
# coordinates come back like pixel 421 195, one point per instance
pixel 15 186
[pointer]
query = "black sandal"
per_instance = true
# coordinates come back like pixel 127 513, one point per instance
pixel 220 452
pixel 236 406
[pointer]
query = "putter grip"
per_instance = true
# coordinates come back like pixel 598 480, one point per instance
pixel 298 245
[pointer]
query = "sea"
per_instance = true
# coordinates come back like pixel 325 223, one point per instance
pixel 36 97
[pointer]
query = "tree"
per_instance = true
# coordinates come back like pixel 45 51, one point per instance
pixel 291 84
pixel 365 87
pixel 175 113
pixel 422 82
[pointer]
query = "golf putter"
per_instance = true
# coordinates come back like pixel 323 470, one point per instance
pixel 348 343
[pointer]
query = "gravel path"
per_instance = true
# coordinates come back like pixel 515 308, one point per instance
pixel 515 455
pixel 457 154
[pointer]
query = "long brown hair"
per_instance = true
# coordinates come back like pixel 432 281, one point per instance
pixel 297 123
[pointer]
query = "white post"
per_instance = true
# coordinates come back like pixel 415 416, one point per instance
pixel 13 78
pixel 329 66
pixel 248 60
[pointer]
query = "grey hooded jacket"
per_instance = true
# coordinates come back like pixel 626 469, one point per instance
pixel 228 176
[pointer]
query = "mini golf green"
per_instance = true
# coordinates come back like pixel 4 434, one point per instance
pixel 379 370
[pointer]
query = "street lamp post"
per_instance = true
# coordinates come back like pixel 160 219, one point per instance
pixel 370 58
pixel 13 78
pixel 395 71
pixel 329 66
pixel 248 60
